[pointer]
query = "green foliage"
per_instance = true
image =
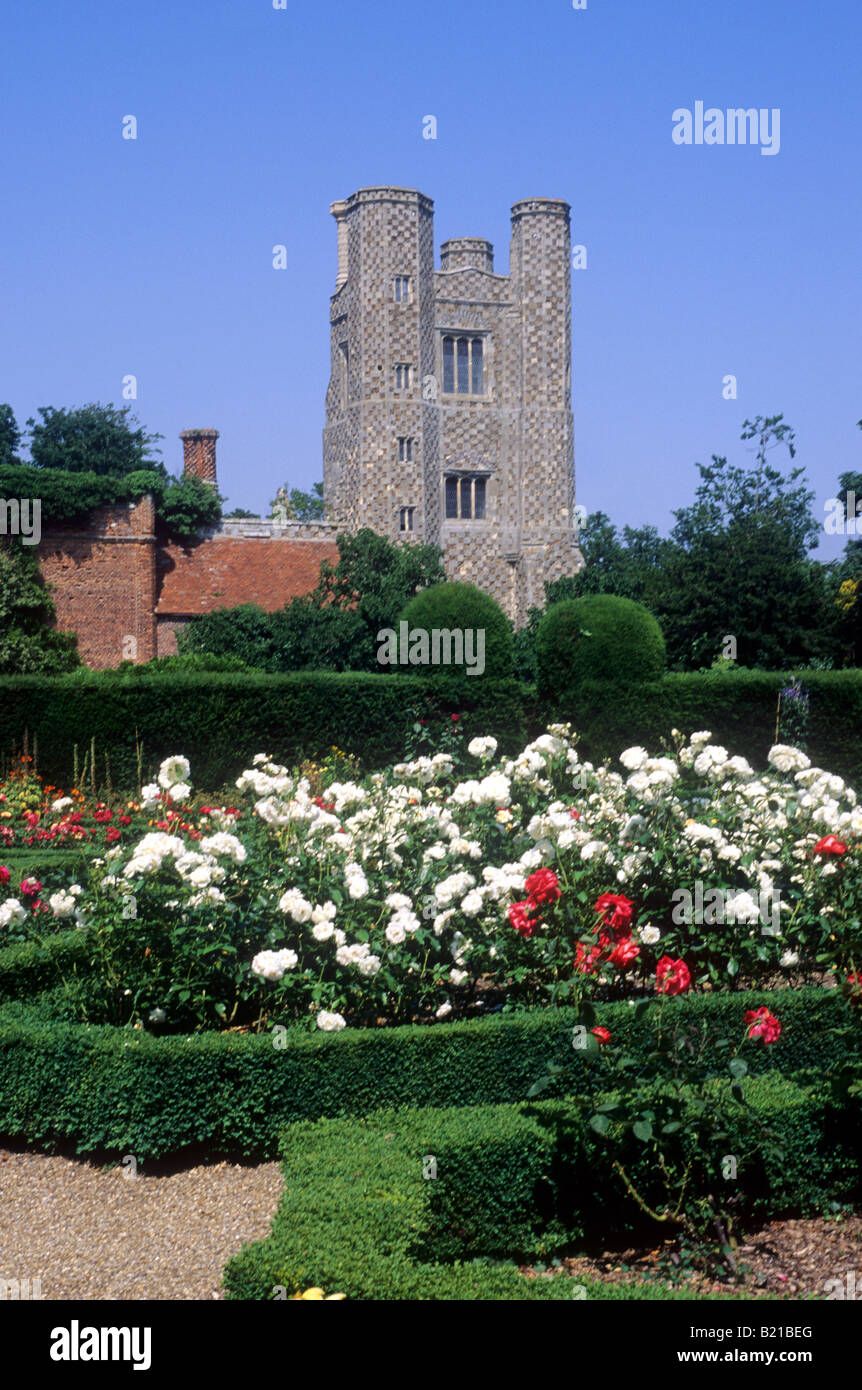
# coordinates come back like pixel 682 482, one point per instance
pixel 291 504
pixel 333 628
pixel 126 1089
pixel 227 717
pixel 28 642
pixel 358 1217
pixel 10 436
pixel 599 637
pixel 463 608
pixel 183 506
pixel 92 439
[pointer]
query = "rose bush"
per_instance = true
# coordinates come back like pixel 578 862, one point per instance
pixel 421 893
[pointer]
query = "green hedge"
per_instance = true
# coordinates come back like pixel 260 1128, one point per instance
pixel 738 707
pixel 128 1090
pixel 220 721
pixel 360 1215
pixel 357 1216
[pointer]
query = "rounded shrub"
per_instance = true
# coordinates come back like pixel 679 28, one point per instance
pixel 455 634
pixel 599 637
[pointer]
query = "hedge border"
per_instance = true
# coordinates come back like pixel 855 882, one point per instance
pixel 358 1216
pixel 126 1090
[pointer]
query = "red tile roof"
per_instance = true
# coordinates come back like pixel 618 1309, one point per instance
pixel 225 571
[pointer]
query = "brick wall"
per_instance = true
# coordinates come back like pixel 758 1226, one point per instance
pixel 102 576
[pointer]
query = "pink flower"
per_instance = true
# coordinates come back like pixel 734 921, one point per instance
pixel 31 887
pixel 4 875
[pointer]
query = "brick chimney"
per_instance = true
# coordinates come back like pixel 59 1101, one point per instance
pixel 199 454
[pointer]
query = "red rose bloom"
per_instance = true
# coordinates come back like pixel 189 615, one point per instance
pixel 520 918
pixel 4 874
pixel 763 1024
pixel 543 886
pixel 672 976
pixel 624 953
pixel 602 1034
pixel 586 961
pixel 853 988
pixel 616 913
pixel 31 887
pixel 830 844
pixel 455 718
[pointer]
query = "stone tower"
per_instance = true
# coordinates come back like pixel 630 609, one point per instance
pixel 448 413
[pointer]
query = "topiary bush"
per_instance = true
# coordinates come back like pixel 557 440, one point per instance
pixel 599 637
pixel 462 609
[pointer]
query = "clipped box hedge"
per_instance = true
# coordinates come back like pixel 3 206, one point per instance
pixel 359 1214
pixel 127 1090
pixel 220 721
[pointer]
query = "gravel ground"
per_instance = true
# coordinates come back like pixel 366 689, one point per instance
pixel 166 1233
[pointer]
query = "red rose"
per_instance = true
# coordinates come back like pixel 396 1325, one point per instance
pixel 543 886
pixel 112 834
pixel 575 815
pixel 4 874
pixel 602 1034
pixel 31 887
pixel 852 988
pixel 763 1025
pixel 830 844
pixel 520 918
pixel 586 961
pixel 616 913
pixel 624 953
pixel 103 815
pixel 455 718
pixel 672 976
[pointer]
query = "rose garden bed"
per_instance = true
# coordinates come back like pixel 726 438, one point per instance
pixel 328 947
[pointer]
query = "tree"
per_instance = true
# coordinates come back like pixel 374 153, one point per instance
pixel 10 436
pixel 92 439
pixel 739 565
pixel 29 644
pixel 335 626
pixel 291 504
pixel 375 578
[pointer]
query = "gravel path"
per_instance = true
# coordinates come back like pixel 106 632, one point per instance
pixel 166 1233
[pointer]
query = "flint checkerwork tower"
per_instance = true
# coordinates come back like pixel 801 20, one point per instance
pixel 448 413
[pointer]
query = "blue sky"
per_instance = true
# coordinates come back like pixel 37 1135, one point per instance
pixel 153 256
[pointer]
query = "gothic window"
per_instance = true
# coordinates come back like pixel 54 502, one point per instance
pixel 402 289
pixel 465 499
pixel 405 449
pixel 402 376
pixel 405 518
pixel 463 366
